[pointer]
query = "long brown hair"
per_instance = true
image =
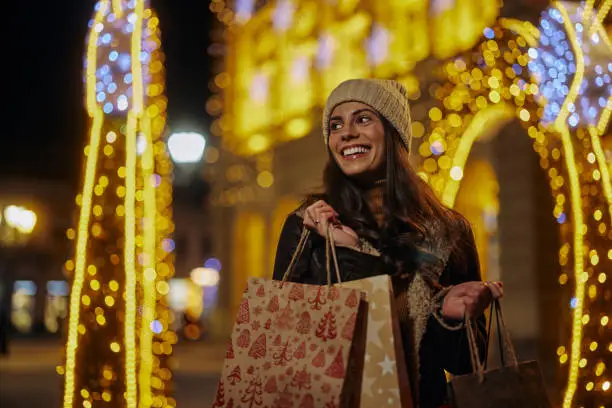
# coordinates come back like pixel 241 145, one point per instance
pixel 409 206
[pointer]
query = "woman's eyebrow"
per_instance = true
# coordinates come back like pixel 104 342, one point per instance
pixel 354 113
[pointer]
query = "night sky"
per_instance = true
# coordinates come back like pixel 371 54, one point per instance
pixel 45 126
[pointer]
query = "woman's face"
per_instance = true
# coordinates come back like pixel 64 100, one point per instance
pixel 357 140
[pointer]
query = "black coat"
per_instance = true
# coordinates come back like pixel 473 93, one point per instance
pixel 441 349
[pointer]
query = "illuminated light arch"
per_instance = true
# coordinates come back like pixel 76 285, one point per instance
pixel 494 116
pixel 123 254
pixel 498 83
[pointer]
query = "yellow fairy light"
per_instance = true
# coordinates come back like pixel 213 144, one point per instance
pixel 602 166
pixel 146 337
pixel 129 194
pixel 113 285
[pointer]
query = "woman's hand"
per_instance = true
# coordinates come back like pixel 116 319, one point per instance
pixel 470 298
pixel 320 214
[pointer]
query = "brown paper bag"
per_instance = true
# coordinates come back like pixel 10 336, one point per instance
pixel 290 347
pixel 385 377
pixel 513 385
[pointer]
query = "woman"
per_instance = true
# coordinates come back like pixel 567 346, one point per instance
pixel 387 220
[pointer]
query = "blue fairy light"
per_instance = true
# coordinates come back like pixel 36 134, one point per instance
pixel 561 218
pixel 106 38
pixel 168 245
pixel 213 263
pixel 157 327
pixel 122 102
pixel 124 61
pixel 113 62
pixel 602 101
pixel 144 57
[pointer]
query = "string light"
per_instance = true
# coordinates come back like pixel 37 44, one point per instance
pixel 121 262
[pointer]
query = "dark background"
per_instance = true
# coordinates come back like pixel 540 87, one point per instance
pixel 44 124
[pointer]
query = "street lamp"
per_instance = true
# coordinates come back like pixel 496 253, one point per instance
pixel 16 224
pixel 20 218
pixel 186 150
pixel 186 147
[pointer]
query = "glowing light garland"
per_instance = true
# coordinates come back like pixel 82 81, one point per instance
pixel 569 88
pixel 122 355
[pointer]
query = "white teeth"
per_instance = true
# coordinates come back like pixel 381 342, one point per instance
pixel 355 150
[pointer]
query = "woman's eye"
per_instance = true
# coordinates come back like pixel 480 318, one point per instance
pixel 335 126
pixel 364 119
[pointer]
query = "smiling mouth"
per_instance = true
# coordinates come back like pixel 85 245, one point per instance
pixel 355 152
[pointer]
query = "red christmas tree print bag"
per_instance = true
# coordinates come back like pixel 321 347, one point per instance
pixel 295 345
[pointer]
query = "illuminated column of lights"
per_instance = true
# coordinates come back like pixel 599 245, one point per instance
pixel 556 80
pixel 584 114
pixel 119 341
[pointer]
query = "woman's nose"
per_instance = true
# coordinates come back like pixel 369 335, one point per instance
pixel 350 132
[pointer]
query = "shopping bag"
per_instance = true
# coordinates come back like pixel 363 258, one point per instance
pixel 513 385
pixel 295 345
pixel 385 376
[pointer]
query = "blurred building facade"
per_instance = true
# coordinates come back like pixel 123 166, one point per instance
pixel 281 61
pixel 34 283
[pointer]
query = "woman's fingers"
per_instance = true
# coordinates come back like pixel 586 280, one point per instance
pixel 318 215
pixel 309 218
pixel 471 298
pixel 497 290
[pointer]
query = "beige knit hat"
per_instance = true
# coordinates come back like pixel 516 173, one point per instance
pixel 387 97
